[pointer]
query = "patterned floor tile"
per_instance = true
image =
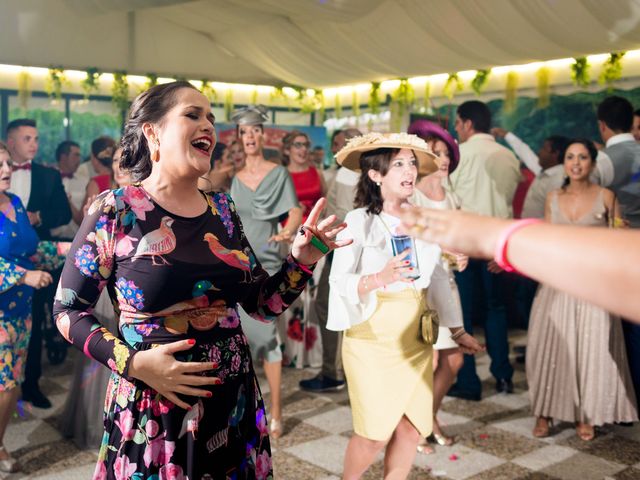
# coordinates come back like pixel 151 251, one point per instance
pixel 583 467
pixel 327 452
pixel 544 457
pixel 289 467
pixel 337 420
pixel 515 401
pixel 628 474
pixel 21 434
pixel 509 471
pixel 499 443
pixel 611 448
pixel 297 431
pixel 456 462
pixel 524 425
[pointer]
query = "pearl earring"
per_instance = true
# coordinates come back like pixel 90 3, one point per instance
pixel 378 183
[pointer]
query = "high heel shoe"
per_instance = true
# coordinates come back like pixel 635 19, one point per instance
pixel 541 430
pixel 275 428
pixel 425 448
pixel 585 431
pixel 441 439
pixel 9 465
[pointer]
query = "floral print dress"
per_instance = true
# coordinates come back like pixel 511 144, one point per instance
pixel 20 252
pixel 174 278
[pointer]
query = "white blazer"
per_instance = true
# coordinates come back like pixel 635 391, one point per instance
pixel 368 254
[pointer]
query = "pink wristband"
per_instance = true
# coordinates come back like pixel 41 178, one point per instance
pixel 500 254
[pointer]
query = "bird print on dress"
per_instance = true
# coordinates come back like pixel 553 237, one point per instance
pixel 233 258
pixel 157 243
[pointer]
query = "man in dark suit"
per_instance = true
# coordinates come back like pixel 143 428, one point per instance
pixel 40 189
pixel 615 121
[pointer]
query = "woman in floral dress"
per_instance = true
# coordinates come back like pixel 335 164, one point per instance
pixel 183 401
pixel 22 263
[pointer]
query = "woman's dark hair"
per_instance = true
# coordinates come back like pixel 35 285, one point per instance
pixel 588 144
pixel 367 192
pixel 149 107
pixel 287 143
pixel 218 152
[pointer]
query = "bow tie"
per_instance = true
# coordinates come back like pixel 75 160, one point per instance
pixel 21 166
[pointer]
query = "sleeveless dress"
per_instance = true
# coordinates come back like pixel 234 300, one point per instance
pixel 577 367
pixel 174 278
pixel 299 325
pixel 260 212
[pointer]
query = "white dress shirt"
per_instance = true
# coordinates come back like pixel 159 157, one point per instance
pixel 367 255
pixel 21 185
pixel 76 188
pixel 487 177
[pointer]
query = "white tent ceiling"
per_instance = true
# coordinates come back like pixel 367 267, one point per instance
pixel 312 43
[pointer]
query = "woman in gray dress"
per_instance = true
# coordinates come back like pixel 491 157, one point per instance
pixel 264 195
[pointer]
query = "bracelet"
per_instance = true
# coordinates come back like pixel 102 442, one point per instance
pixel 458 334
pixel 500 254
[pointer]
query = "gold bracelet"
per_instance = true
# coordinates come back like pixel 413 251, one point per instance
pixel 458 334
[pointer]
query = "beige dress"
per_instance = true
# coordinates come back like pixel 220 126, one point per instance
pixel 577 366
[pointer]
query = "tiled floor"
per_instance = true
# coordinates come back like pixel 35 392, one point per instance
pixel 494 439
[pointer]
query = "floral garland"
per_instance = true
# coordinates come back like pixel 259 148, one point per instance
pixel 208 91
pixel 55 81
pixel 511 91
pixel 612 69
pixel 452 85
pixel 480 81
pixel 580 72
pixel 91 82
pixel 543 75
pixel 374 98
pixel 120 91
pixel 24 89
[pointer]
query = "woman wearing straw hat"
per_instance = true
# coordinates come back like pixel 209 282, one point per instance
pixel 447 357
pixel 378 291
pixel 264 193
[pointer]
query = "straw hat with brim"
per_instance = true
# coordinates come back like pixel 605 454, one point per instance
pixel 349 156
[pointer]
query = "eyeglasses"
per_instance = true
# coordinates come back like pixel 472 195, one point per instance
pixel 301 144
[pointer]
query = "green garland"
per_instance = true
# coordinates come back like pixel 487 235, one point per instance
pixel 152 81
pixel 228 104
pixel 580 72
pixel 612 69
pixel 355 105
pixel 452 85
pixel 208 91
pixel 543 75
pixel 91 82
pixel 54 82
pixel 337 106
pixel 374 98
pixel 24 89
pixel 404 96
pixel 511 92
pixel 120 91
pixel 426 101
pixel 480 81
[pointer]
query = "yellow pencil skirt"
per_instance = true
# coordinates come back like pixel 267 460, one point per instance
pixel 389 369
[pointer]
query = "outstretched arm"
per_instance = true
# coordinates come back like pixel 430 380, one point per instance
pixel 595 264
